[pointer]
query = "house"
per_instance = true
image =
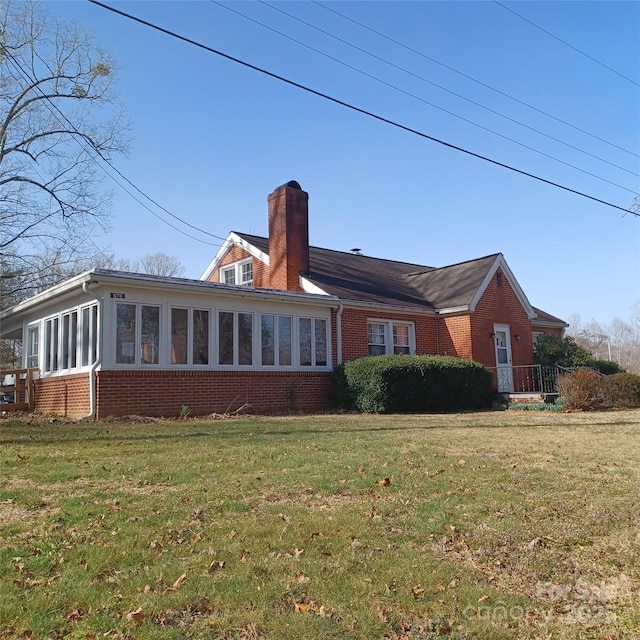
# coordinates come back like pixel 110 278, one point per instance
pixel 264 325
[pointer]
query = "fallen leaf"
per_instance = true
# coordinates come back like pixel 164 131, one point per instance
pixel 298 552
pixel 385 482
pixel 179 582
pixel 417 592
pixel 483 598
pixel 301 607
pixel 74 616
pixel 136 616
pixel 216 564
pixel 243 557
pixel 462 462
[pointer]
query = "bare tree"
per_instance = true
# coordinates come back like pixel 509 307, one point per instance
pixel 160 264
pixel 57 117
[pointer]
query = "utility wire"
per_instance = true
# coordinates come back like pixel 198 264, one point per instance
pixel 468 77
pixel 357 109
pixel 564 42
pixel 419 77
pixel 58 113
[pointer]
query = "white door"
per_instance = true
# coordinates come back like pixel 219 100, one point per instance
pixel 504 368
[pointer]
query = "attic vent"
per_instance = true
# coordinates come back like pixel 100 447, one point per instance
pixel 356 251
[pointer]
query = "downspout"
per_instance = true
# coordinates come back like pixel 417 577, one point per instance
pixel 339 333
pixel 98 360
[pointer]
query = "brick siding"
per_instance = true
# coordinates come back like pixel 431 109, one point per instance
pixel 500 305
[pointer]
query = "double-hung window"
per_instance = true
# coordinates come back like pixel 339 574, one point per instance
pixel 390 337
pixel 238 273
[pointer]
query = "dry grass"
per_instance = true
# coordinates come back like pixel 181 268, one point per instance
pixel 484 525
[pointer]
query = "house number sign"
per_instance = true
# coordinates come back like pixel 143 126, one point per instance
pixel 119 296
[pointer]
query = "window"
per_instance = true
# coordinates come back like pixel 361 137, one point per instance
pixel 69 341
pixel 179 335
pixel 238 273
pixel 276 340
pixel 33 340
pixel 189 330
pixel 401 339
pixel 312 334
pixel 235 338
pixel 128 318
pixel 150 334
pixel 376 331
pixel 126 333
pixel 200 325
pixel 387 337
pixel 51 345
pixel 89 335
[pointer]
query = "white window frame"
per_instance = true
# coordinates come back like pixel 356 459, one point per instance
pixel 137 345
pixel 60 345
pixel 277 340
pixel 235 345
pixel 389 346
pixel 239 273
pixel 32 356
pixel 190 354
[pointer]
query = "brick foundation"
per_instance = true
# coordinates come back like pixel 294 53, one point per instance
pixel 157 393
pixel 66 396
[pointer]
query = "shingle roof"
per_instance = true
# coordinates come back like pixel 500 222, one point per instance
pixel 547 318
pixel 362 278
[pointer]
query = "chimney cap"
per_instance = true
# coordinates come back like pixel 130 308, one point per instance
pixel 293 184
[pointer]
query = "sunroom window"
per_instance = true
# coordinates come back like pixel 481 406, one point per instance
pixel 276 340
pixel 235 338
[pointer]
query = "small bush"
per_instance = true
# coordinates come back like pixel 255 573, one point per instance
pixel 606 367
pixel 411 384
pixel 535 406
pixel 625 390
pixel 583 389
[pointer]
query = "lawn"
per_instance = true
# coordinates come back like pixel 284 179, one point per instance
pixel 485 525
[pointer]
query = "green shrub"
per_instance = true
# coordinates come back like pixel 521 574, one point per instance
pixel 584 389
pixel 606 367
pixel 625 390
pixel 535 406
pixel 411 384
pixel 550 351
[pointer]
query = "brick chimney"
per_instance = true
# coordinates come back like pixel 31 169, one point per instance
pixel 288 236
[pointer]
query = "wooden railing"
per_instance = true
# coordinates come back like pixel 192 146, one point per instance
pixel 17 389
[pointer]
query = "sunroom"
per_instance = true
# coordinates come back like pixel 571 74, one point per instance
pixel 113 343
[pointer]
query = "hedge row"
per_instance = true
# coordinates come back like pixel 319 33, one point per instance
pixel 411 384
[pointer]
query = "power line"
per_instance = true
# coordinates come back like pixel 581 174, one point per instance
pixel 57 112
pixel 358 109
pixel 431 104
pixel 564 42
pixel 468 77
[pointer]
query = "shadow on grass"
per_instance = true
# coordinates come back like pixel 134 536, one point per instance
pixel 37 435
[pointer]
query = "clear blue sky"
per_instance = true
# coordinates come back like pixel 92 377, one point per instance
pixel 211 139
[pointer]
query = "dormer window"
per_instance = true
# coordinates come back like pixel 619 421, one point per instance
pixel 238 273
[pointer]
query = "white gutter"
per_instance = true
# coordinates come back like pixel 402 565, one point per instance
pixel 98 360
